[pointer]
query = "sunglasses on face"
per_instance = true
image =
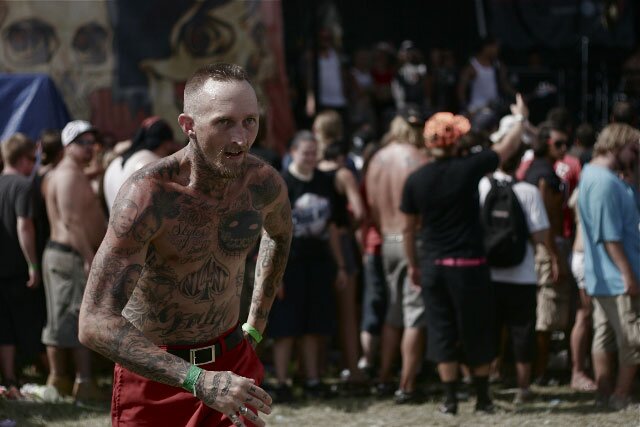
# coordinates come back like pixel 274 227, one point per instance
pixel 559 143
pixel 84 142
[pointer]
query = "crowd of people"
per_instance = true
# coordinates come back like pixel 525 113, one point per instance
pixel 462 236
pixel 57 194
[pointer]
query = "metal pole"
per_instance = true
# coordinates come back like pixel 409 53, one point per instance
pixel 605 94
pixel 584 51
pixel 481 19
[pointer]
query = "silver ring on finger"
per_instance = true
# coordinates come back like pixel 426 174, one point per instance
pixel 243 410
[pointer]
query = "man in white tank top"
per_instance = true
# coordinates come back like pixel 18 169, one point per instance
pixel 330 91
pixel 483 80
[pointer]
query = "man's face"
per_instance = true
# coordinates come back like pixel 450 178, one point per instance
pixel 305 156
pixel 557 144
pixel 27 163
pixel 492 50
pixel 225 125
pixel 81 149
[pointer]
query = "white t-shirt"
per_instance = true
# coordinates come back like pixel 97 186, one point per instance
pixel 483 88
pixel 116 175
pixel 534 211
pixel 330 76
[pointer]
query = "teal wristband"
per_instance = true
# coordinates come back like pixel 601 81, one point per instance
pixel 255 334
pixel 190 381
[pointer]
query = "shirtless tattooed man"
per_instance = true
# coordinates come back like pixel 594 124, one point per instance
pixel 163 295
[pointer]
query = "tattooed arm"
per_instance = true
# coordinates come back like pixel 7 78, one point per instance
pixel 115 271
pixel 272 256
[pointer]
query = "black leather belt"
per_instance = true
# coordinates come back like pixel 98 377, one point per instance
pixel 203 355
pixel 61 247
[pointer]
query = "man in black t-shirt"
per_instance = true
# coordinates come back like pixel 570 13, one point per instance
pixel 305 306
pixel 19 270
pixel 441 199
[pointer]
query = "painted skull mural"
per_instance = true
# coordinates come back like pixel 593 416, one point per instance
pixel 73 48
pixel 116 62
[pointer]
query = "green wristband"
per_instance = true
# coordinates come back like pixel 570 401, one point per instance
pixel 190 381
pixel 34 266
pixel 255 334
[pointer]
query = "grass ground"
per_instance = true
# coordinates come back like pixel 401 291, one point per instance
pixel 553 406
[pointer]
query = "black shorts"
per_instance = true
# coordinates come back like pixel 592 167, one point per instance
pixel 308 303
pixel 516 310
pixel 374 298
pixel 460 313
pixel 22 316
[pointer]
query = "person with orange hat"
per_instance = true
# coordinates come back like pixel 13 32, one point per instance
pixel 441 200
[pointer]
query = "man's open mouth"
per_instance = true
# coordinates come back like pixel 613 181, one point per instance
pixel 233 154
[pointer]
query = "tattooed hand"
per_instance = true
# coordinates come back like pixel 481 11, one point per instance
pixel 230 394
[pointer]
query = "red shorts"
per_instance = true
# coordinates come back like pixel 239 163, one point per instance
pixel 138 401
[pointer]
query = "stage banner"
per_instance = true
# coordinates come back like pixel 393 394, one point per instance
pixel 561 24
pixel 30 104
pixel 116 62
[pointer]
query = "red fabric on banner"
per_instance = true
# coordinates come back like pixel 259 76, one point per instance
pixel 280 126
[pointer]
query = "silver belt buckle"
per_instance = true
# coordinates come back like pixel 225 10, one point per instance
pixel 192 355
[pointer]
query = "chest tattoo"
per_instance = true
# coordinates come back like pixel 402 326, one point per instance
pixel 190 240
pixel 239 231
pixel 209 280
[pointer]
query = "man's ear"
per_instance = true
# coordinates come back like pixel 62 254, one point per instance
pixel 186 124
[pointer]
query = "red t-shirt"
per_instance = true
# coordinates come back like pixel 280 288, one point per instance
pixel 568 170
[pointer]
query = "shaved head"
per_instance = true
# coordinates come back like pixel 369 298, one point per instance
pixel 219 72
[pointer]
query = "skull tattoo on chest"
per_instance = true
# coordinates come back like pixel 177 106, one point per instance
pixel 239 231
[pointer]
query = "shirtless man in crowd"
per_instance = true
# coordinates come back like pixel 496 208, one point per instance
pixel 405 320
pixel 163 296
pixel 77 226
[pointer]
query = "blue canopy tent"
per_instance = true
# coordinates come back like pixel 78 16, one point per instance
pixel 30 103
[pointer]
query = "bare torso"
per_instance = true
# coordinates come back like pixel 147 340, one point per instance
pixel 386 176
pixel 74 211
pixel 190 284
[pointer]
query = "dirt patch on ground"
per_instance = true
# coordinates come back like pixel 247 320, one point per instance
pixel 553 406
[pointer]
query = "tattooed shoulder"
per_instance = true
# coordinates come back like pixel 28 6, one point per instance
pixel 265 189
pixel 123 215
pixel 166 168
pixel 255 162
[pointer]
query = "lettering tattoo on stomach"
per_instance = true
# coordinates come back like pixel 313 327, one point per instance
pixel 190 327
pixel 174 323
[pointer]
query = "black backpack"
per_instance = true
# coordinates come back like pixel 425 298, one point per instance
pixel 505 226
